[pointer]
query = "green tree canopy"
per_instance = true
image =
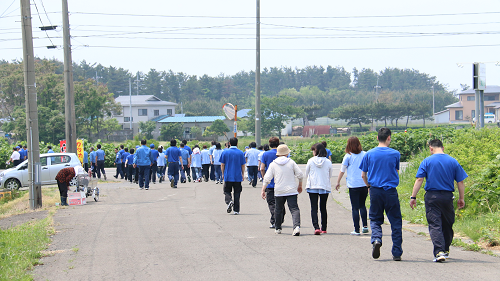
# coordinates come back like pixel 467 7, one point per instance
pixel 147 128
pixel 218 128
pixel 172 131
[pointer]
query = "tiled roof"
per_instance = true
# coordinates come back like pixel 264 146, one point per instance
pixel 142 100
pixel 493 89
pixel 455 105
pixel 191 119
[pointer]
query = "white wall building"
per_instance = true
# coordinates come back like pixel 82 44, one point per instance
pixel 144 108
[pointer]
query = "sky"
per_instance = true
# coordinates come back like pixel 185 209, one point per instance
pixel 441 38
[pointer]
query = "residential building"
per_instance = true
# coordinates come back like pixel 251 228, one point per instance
pixel 464 109
pixel 189 122
pixel 144 108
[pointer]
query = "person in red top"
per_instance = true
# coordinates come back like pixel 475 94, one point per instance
pixel 63 179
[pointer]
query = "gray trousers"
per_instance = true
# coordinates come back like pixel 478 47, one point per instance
pixel 292 206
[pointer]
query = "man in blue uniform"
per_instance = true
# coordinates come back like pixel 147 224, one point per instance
pixel 233 168
pixel 99 159
pixel 252 156
pixel 93 166
pixel 440 172
pixel 173 157
pixel 86 161
pixel 125 154
pixel 118 164
pixel 380 167
pixel 142 162
pixel 154 164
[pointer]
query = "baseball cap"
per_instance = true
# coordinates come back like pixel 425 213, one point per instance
pixel 152 145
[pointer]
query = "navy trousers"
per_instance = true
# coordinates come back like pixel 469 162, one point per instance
pixel 144 176
pixel 386 200
pixel 441 217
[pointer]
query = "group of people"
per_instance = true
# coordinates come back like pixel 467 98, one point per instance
pixel 19 154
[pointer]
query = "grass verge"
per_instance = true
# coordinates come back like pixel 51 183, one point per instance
pixel 20 205
pixel 20 248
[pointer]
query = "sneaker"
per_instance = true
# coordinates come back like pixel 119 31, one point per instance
pixel 277 231
pixel 398 258
pixel 189 178
pixel 296 231
pixel 141 187
pixel 365 229
pixel 446 254
pixel 172 183
pixel 376 249
pixel 105 177
pixel 175 186
pixel 147 188
pixel 317 232
pixel 159 180
pixel 440 257
pixel 236 213
pixel 272 226
pixel 323 231
pixel 115 177
pixel 217 182
pixel 355 233
pixel 230 207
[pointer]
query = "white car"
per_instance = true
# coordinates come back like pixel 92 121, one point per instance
pixel 51 164
pixel 488 118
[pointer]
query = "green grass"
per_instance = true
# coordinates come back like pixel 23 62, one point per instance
pixel 20 248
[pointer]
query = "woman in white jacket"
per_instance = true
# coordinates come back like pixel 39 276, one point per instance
pixel 284 171
pixel 319 170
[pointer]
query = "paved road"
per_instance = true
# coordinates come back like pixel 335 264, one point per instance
pixel 186 234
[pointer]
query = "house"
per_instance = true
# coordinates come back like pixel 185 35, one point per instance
pixel 189 122
pixel 464 109
pixel 442 117
pixel 144 108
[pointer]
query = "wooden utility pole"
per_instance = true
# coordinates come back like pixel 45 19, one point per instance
pixel 69 93
pixel 35 188
pixel 257 79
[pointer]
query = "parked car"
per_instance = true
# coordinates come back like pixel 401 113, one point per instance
pixel 51 164
pixel 488 118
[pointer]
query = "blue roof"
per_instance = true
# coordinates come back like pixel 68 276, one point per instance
pixel 191 119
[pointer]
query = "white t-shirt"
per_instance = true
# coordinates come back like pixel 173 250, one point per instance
pixel 15 155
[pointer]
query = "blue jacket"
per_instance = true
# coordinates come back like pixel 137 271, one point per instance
pixel 142 156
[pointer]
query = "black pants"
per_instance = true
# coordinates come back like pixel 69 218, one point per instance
pixel 93 167
pixel 313 197
pixel 86 167
pixel 100 168
pixel 358 198
pixel 230 186
pixel 441 217
pixel 154 169
pixel 252 174
pixel 124 171
pixel 63 188
pixel 205 172
pixel 271 203
pixel 131 171
pixel 212 172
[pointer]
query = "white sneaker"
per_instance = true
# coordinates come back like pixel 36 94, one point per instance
pixel 277 231
pixel 296 231
pixel 236 213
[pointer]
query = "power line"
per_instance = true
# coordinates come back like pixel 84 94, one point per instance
pixel 38 13
pixel 45 12
pixel 7 8
pixel 293 17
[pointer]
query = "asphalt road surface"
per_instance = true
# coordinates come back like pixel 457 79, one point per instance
pixel 186 234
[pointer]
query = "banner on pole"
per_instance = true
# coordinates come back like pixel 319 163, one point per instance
pixel 62 145
pixel 79 150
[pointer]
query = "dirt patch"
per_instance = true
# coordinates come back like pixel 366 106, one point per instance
pixel 16 220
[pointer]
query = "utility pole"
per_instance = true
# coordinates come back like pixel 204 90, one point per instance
pixel 376 90
pixel 35 188
pixel 257 79
pixel 69 94
pixel 130 94
pixel 137 82
pixel 433 108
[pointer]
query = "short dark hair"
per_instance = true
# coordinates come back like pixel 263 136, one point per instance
pixel 24 146
pixel 217 146
pixel 14 148
pixel 253 144
pixel 383 134
pixel 173 143
pixel 92 147
pixel 213 142
pixel 144 142
pixel 49 147
pixel 184 141
pixel 233 141
pixel 204 146
pixel 353 146
pixel 160 149
pixel 182 144
pixel 132 151
pixel 266 147
pixel 99 146
pixel 274 142
pixel 436 143
pixel 261 147
pixel 116 148
pixel 319 149
pixel 126 149
pixel 122 146
pixel 324 144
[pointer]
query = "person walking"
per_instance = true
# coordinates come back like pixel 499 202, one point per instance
pixel 440 172
pixel 161 162
pixel 217 153
pixel 211 152
pixel 129 163
pixel 15 157
pixel 205 163
pixel 86 161
pixel 122 152
pixel 118 164
pixel 328 152
pixel 154 164
pixel 380 167
pixel 233 169
pixel 196 164
pixel 174 157
pixel 252 157
pixel 319 170
pixel 93 165
pixel 125 154
pixel 186 147
pixel 266 160
pixel 186 164
pixel 284 171
pixel 142 162
pixel 263 148
pixel 50 149
pixel 99 159
pixel 357 187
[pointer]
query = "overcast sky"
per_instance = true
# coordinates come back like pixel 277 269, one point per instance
pixel 212 37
